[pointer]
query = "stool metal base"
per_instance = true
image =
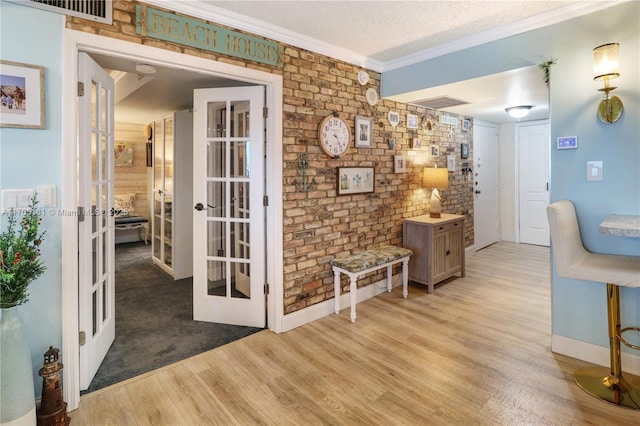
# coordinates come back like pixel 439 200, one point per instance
pixel 600 383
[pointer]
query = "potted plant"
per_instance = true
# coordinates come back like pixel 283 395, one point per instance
pixel 20 264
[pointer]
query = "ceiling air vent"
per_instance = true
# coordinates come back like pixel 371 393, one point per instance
pixel 94 10
pixel 440 102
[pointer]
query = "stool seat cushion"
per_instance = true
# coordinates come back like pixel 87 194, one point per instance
pixel 370 258
pixel 126 220
pixel 576 262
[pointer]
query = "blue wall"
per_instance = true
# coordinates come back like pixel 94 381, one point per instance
pixel 33 157
pixel 579 309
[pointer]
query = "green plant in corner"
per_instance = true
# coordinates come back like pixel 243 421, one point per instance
pixel 545 68
pixel 20 261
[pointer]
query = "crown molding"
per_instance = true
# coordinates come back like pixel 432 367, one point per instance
pixel 535 22
pixel 234 20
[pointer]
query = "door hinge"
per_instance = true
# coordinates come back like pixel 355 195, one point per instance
pixel 266 288
pixel 265 112
pixel 80 88
pixel 80 214
pixel 82 338
pixel 265 201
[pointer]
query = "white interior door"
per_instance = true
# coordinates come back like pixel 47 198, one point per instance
pixel 96 289
pixel 533 182
pixel 228 218
pixel 485 186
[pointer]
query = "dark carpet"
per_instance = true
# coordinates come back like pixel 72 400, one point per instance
pixel 154 325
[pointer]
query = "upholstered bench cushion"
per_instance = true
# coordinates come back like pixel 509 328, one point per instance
pixel 130 220
pixel 371 258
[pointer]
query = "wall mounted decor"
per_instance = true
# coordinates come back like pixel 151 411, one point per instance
pixel 412 121
pixel 399 164
pixel 363 77
pixel 334 135
pixel 22 103
pixel 435 150
pixel 464 150
pixel 372 96
pixel 416 143
pixel 355 180
pixel 123 155
pixel 364 132
pixel 394 118
pixel 466 125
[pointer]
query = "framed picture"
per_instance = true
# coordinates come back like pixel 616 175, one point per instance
pixel 364 132
pixel 567 142
pixel 416 143
pixel 466 125
pixel 22 95
pixel 394 118
pixel 451 163
pixel 399 164
pixel 412 121
pixel 355 180
pixel 123 155
pixel 435 150
pixel 464 150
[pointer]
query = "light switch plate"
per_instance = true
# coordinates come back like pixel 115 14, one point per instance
pixel 595 170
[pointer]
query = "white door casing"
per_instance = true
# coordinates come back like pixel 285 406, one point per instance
pixel 96 252
pixel 485 186
pixel 228 217
pixel 73 43
pixel 533 182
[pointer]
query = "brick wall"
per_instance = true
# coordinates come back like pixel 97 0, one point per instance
pixel 318 224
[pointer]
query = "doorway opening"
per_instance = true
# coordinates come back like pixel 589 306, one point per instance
pixel 76 42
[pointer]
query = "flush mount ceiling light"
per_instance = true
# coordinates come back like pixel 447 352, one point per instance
pixel 145 69
pixel 518 111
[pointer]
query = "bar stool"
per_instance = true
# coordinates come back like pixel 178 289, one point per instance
pixel 574 261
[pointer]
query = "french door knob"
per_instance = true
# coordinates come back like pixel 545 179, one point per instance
pixel 199 207
pixel 477 192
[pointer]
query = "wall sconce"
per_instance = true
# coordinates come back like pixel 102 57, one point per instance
pixel 436 178
pixel 519 111
pixel 606 66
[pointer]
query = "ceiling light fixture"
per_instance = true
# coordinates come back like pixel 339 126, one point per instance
pixel 518 111
pixel 145 69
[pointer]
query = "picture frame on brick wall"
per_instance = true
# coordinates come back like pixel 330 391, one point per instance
pixel 364 132
pixel 434 150
pixel 399 164
pixel 412 121
pixel 355 180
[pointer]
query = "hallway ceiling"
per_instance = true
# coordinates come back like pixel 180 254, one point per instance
pixel 376 34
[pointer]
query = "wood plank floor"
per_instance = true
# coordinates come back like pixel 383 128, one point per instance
pixel 475 352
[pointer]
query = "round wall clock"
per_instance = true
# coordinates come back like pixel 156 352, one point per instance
pixel 334 136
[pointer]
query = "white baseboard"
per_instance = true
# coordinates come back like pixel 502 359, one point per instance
pixel 322 309
pixel 593 353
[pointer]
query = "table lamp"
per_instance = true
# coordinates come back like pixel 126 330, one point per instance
pixel 436 178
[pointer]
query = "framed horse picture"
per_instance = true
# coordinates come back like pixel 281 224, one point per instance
pixel 22 97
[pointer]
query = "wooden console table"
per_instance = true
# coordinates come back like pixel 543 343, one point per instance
pixel 437 246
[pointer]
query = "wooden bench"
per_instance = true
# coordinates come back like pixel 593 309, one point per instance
pixel 369 261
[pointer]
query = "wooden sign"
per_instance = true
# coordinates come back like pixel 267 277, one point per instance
pixel 190 32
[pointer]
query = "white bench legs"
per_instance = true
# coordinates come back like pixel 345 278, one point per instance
pixel 353 285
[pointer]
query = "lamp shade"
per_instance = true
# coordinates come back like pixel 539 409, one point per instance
pixel 433 177
pixel 606 62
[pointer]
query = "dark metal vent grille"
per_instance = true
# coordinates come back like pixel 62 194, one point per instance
pixel 94 10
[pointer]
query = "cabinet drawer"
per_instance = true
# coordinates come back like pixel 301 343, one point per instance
pixel 446 227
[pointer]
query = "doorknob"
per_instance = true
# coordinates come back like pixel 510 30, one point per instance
pixel 477 192
pixel 199 207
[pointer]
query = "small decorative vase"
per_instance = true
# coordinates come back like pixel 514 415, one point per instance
pixel 17 397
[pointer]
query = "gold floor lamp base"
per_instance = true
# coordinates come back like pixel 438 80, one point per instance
pixel 598 382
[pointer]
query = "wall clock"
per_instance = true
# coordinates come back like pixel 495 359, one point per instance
pixel 334 135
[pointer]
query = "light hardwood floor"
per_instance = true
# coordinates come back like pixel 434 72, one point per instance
pixel 475 352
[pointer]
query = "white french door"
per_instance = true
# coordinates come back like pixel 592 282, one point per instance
pixel 96 252
pixel 228 217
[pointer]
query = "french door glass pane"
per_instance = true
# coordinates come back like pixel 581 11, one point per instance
pixel 216 278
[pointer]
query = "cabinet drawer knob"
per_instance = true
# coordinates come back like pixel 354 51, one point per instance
pixel 448 252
